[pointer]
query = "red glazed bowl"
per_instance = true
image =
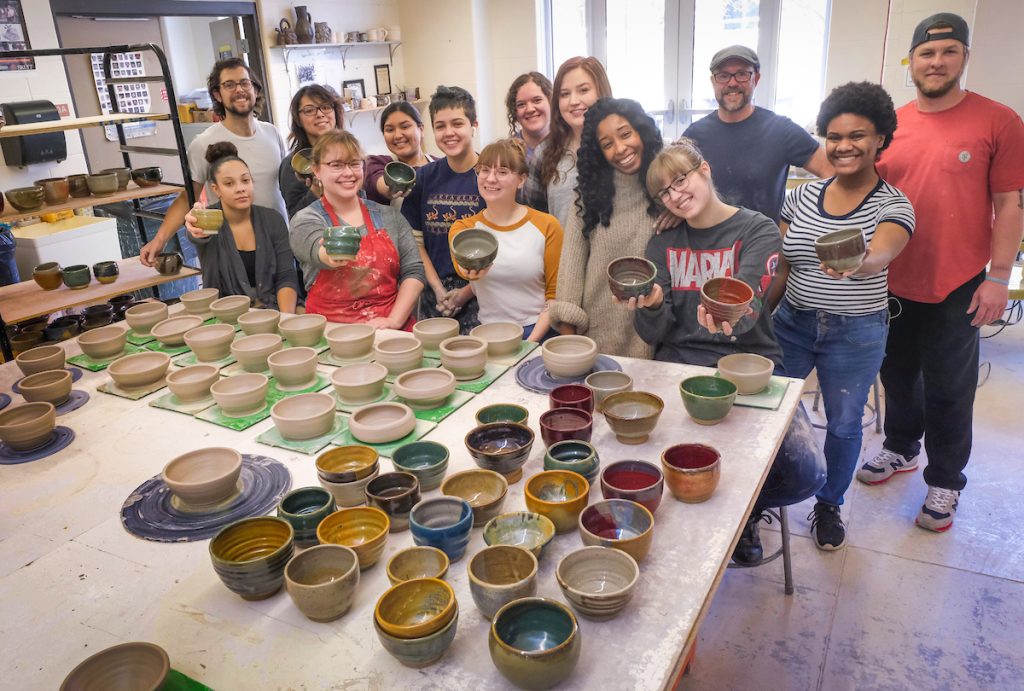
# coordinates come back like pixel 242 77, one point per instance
pixel 572 396
pixel 561 424
pixel 726 299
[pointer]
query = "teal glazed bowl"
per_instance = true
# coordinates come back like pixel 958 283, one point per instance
pixel 399 177
pixel 342 242
pixel 524 529
pixel 535 642
pixel 442 522
pixel 574 455
pixel 707 399
pixel 304 508
pixel 502 412
pixel 250 555
pixel 419 652
pixel 77 276
pixel 427 460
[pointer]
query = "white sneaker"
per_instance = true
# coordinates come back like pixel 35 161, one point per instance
pixel 883 466
pixel 939 509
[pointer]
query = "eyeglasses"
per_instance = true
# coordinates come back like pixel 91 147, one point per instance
pixel 677 185
pixel 310 111
pixel 741 76
pixel 353 165
pixel 230 85
pixel 500 173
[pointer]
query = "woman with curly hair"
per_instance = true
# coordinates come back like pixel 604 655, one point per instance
pixel 617 144
pixel 314 110
pixel 837 323
pixel 528 105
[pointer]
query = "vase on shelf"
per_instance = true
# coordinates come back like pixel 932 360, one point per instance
pixel 323 32
pixel 303 24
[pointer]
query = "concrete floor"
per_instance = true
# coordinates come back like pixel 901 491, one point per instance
pixel 899 607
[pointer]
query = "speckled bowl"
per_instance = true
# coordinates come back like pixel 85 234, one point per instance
pixel 415 608
pixel 241 395
pixel 502 447
pixel 351 341
pixel 417 562
pixel 363 528
pixel 598 582
pixel 210 343
pixel 171 332
pixel 303 329
pixel 484 490
pixel 521 528
pixel 252 351
pixel 123 175
pixel 620 524
pixel 637 481
pixel 28 198
pixel 209 220
pixel 261 321
pixel 143 317
pixel 442 522
pixel 204 476
pixel 27 426
pixel 499 574
pixel 573 455
pixel 399 354
pixel 381 423
pixel 632 415
pixel 137 666
pixel 304 416
pixel 250 555
pixel 560 495
pixel 322 581
pixel 841 250
pixel 52 386
pixel 419 652
pixel 193 383
pixel 566 357
pixel 395 494
pixel 101 184
pixel 474 249
pixel 427 460
pixel 502 338
pixel 229 309
pixel 631 277
pixel 198 301
pixel 535 642
pixel 139 369
pixel 431 332
pixel 41 359
pixel 426 388
pixel 103 342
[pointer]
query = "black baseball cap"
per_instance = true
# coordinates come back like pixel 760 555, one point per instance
pixel 953 26
pixel 735 52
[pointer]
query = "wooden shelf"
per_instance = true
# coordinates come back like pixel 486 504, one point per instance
pixel 350 115
pixel 133 192
pixel 77 123
pixel 307 46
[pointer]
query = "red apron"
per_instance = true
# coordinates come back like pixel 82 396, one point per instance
pixel 366 287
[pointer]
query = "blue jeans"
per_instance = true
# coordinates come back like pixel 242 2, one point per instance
pixel 847 352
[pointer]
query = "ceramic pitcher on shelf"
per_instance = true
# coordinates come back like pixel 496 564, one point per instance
pixel 378 34
pixel 303 24
pixel 323 32
pixel 285 33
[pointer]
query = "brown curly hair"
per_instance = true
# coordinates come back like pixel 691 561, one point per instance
pixel 213 85
pixel 510 98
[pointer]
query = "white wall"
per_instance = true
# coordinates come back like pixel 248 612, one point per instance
pixel 190 52
pixel 996 67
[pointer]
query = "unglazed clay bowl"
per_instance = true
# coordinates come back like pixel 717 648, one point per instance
pixel 143 317
pixel 415 608
pixel 262 321
pixel 442 522
pixel 427 460
pixel 474 249
pixel 149 176
pixel 560 495
pixel 347 463
pixel 103 342
pixel 27 426
pixel 253 351
pixel 250 555
pixel 198 301
pixel 25 340
pixel 55 190
pixel 637 481
pixel 631 277
pixel 605 383
pixel 78 185
pixel 598 582
pixel 423 651
pixel 41 359
pixel 76 276
pixel 204 476
pixel 48 275
pixel 139 369
pixel 620 524
pixel 707 399
pixel 841 250
pixel 359 384
pixel 293 368
pixel 431 332
pixel 137 666
pixel 52 386
pixel 426 388
pixel 502 338
pixel 502 447
pixel 101 184
pixel 351 341
pixel 123 175
pixel 692 471
pixel 303 329
pixel 566 357
pixel 632 415
pixel 563 424
pixel 399 354
pixel 573 455
pixel 229 309
pixel 28 198
pixel 212 342
pixel 502 412
pixel 726 299
pixel 106 272
pixel 395 494
pixel 750 372
pixel 499 574
pixel 349 493
pixel 322 581
pixel 381 423
pixel 363 528
pixel 535 642
pixel 464 356
pixel 171 332
pixel 305 416
pixel 242 394
pixel 304 508
pixel 209 220
pixel 193 383
pixel 521 528
pixel 572 396
pixel 417 562
pixel 484 490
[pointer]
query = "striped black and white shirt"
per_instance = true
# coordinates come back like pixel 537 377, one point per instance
pixel 808 287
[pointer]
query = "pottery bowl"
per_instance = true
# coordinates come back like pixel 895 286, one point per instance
pixel 572 396
pixel 62 328
pixel 426 388
pixel 27 426
pixel 95 316
pixel 150 176
pixel 484 490
pixel 212 342
pixel 120 303
pixel 707 399
pixel 351 493
pixel 139 369
pixel 524 529
pixel 464 356
pixel 199 301
pixel 637 481
pixel 502 338
pixel 575 456
pixel 209 220
pixel 399 354
pixel 241 395
pixel 618 523
pixel 442 522
pixel 598 582
pixel 171 332
pixel 229 309
pixel 563 424
pixel 363 528
pixel 293 367
pixel 204 476
pixel 123 175
pixel 395 494
pixel 52 386
pixel 474 249
pixel 103 342
pixel 726 299
pixel 322 581
pixel 359 384
pixel 534 642
pixel 261 321
pixel 142 318
pixel 692 471
pixel 25 340
pixel 105 272
pixel 250 555
pixel 101 184
pixel 27 198
pixel 78 185
pixel 751 373
pixel 169 263
pixel 76 276
pixel 305 416
pixel 566 357
pixel 499 574
pixel 193 383
pixel 253 351
pixel 41 359
pixel 423 651
pixel 560 495
pixel 302 162
pixel 605 383
pixel 48 275
pixel 381 423
pixel 347 463
pixel 303 329
pixel 399 176
pixel 417 562
pixel 632 415
pixel 304 508
pixel 631 277
pixel 55 190
pixel 351 341
pixel 136 665
pixel 841 250
pixel 415 608
pixel 502 447
pixel 427 460
pixel 431 332
pixel 502 412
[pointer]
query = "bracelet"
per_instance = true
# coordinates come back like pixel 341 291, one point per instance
pixel 1000 281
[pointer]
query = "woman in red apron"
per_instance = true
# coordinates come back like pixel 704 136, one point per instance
pixel 381 286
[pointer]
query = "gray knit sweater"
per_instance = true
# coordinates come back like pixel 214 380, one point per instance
pixel 583 299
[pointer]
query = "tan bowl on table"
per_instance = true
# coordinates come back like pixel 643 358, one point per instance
pixel 52 386
pixel 399 354
pixel 431 332
pixel 464 356
pixel 171 332
pixel 351 341
pixel 380 423
pixel 751 373
pixel 27 426
pixel 304 416
pixel 566 357
pixel 137 666
pixel 41 359
pixel 502 338
pixel 103 342
pixel 303 329
pixel 293 367
pixel 253 351
pixel 261 321
pixel 241 395
pixel 142 318
pixel 204 476
pixel 229 309
pixel 359 384
pixel 210 343
pixel 425 388
pixel 193 383
pixel 198 301
pixel 139 369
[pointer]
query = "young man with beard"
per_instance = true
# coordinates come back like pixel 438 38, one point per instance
pixel 237 100
pixel 751 148
pixel 959 158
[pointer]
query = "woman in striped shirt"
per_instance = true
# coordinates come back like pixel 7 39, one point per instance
pixel 837 323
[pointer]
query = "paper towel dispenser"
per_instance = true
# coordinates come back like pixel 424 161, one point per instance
pixel 33 148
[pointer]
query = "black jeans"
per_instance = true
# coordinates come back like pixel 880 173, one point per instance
pixel 930 375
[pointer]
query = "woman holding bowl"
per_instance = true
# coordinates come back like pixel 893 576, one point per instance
pixel 314 110
pixel 402 129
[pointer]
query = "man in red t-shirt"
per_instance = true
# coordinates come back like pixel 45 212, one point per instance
pixel 959 158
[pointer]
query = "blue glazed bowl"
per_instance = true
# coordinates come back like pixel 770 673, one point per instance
pixel 442 522
pixel 304 508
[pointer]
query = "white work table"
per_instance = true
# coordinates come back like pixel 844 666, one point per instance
pixel 75 582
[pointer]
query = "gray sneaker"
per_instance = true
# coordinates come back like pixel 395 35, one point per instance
pixel 883 466
pixel 939 509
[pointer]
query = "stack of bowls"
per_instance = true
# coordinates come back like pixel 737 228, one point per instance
pixel 250 555
pixel 442 522
pixel 484 490
pixel 417 562
pixel 427 460
pixel 560 495
pixel 346 470
pixel 395 494
pixel 416 621
pixel 363 528
pixel 499 574
pixel 692 471
pixel 502 447
pixel 535 642
pixel 637 481
pixel 707 399
pixel 322 581
pixel 305 508
pixel 618 523
pixel 726 299
pixel 598 582
pixel 573 455
pixel 524 529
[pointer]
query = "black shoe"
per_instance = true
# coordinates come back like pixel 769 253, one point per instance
pixel 827 527
pixel 748 550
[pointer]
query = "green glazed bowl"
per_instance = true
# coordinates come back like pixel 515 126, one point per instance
pixel 707 399
pixel 535 642
pixel 502 412
pixel 304 508
pixel 77 276
pixel 427 460
pixel 573 455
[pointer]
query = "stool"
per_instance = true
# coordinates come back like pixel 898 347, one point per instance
pixel 782 516
pixel 876 417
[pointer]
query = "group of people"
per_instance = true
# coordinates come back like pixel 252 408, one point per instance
pixel 585 178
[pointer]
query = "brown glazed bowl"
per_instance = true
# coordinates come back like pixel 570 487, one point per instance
pixel 395 494
pixel 27 426
pixel 632 415
pixel 841 250
pixel 561 495
pixel 305 416
pixel 351 341
pixel 619 524
pixel 169 263
pixel 484 491
pixel 143 317
pixel 204 476
pixel 139 369
pixel 55 190
pixel 503 447
pixel 261 321
pixel 347 463
pixel 241 395
pixel 363 528
pixel 78 186
pixel 171 332
pixel 303 329
pixel 48 275
pixel 253 351
pixel 691 471
pixel 41 359
pixel 322 581
pixel 53 386
pixel 415 608
pixel 123 175
pixel 250 555
pixel 417 562
pixel 431 332
pixel 150 176
pixel 137 666
pixel 562 424
pixel 359 384
pixel 566 357
pixel 212 342
pixel 103 342
pixel 502 338
pixel 726 299
pixel 193 383
pixel 229 309
pixel 631 277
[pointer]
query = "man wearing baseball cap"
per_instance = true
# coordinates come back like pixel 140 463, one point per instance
pixel 959 158
pixel 750 148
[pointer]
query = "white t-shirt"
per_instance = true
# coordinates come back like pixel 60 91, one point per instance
pixel 262 152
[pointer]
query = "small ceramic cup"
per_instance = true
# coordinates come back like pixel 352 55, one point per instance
pixel 304 508
pixel 322 580
pixel 499 574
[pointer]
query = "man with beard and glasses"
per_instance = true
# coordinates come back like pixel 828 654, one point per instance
pixel 237 100
pixel 749 148
pixel 959 158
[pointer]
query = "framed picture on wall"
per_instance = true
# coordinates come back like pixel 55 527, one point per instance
pixel 358 87
pixel 14 36
pixel 383 75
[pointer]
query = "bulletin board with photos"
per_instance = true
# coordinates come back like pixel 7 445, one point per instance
pixel 13 36
pixel 131 98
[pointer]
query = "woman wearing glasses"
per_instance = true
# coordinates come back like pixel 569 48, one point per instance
pixel 314 110
pixel 382 285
